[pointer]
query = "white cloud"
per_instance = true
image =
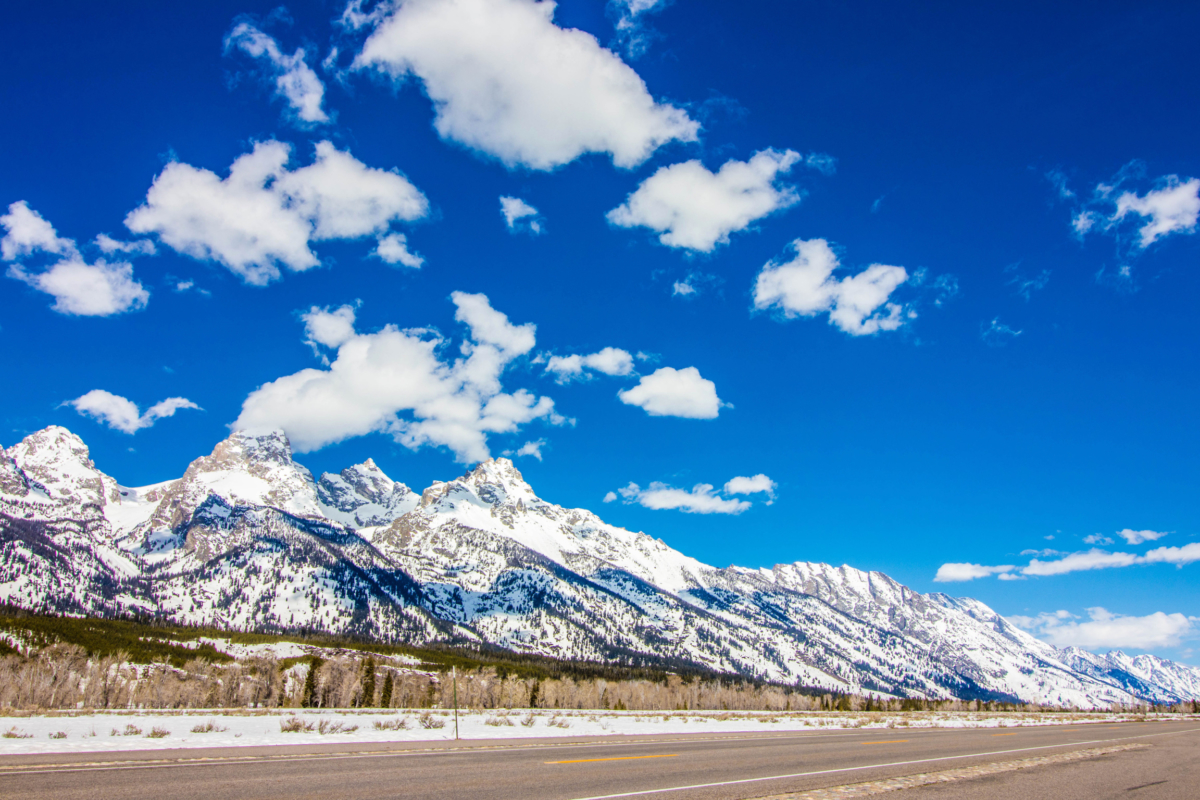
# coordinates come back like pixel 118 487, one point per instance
pixel 1173 208
pixel 1079 562
pixel 1095 538
pixel 505 80
pixel 1106 630
pixel 1137 537
pixel 263 215
pixel 669 392
pixel 393 249
pixel 695 209
pixel 753 485
pixel 519 215
pixel 78 288
pixel 122 414
pixel 325 328
pixel 683 288
pixel 610 497
pixel 87 290
pixel 609 361
pixel 533 448
pixel 805 286
pixel 952 573
pixel 702 499
pixel 28 232
pixel 397 382
pixel 109 245
pixel 997 334
pixel 295 81
pixel 1178 556
pixel 1083 222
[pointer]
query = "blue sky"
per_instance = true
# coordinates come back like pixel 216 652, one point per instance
pixel 922 276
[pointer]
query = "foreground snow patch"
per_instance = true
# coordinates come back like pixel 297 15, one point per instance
pixel 153 730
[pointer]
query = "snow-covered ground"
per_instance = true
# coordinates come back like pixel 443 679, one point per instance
pixel 158 730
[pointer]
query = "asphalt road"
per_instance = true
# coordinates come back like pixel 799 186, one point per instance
pixel 727 767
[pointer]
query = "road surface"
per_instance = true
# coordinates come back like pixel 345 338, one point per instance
pixel 694 767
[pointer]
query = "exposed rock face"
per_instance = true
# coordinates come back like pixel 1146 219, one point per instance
pixel 362 496
pixel 246 538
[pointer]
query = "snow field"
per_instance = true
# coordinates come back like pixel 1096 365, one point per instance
pixel 77 732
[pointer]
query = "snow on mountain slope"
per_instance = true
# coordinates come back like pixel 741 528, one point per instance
pixel 244 469
pixel 362 496
pixel 247 539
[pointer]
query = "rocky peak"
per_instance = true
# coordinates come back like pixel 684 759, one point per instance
pixel 59 461
pixel 362 495
pixel 497 482
pixel 247 468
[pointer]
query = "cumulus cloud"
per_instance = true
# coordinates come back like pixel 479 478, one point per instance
pixel 1172 208
pixel 109 245
pixel 508 82
pixel 756 484
pixel 1079 562
pixel 805 287
pixel 695 209
pixel 702 499
pixel 1095 538
pixel 683 289
pixel 953 573
pixel 28 232
pixel 1105 630
pixel 122 414
pixel 533 448
pixel 398 382
pixel 669 392
pixel 393 249
pixel 294 80
pixel 1137 537
pixel 1179 556
pixel 609 361
pixel 79 288
pixel 263 216
pixel 519 215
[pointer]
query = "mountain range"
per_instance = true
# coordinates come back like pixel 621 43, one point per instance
pixel 248 539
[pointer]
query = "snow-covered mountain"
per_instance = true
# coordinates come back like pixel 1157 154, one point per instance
pixel 247 538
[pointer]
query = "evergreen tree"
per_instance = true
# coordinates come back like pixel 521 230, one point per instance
pixel 368 684
pixel 309 695
pixel 385 698
pixel 533 695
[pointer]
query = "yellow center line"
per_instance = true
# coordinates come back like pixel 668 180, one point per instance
pixel 619 758
pixel 890 741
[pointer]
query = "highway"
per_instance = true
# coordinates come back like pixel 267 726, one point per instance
pixel 692 767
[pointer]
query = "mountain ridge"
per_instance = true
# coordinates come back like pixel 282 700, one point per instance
pixel 248 538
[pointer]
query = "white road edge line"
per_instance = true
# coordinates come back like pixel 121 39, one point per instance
pixel 872 766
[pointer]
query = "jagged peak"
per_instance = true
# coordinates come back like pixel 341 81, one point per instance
pixel 257 445
pixel 55 439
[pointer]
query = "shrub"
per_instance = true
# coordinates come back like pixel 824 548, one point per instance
pixel 327 726
pixel 158 733
pixel 528 720
pixel 295 724
pixel 209 727
pixel 13 733
pixel 397 724
pixel 58 735
pixel 131 730
pixel 429 721
pixel 497 722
